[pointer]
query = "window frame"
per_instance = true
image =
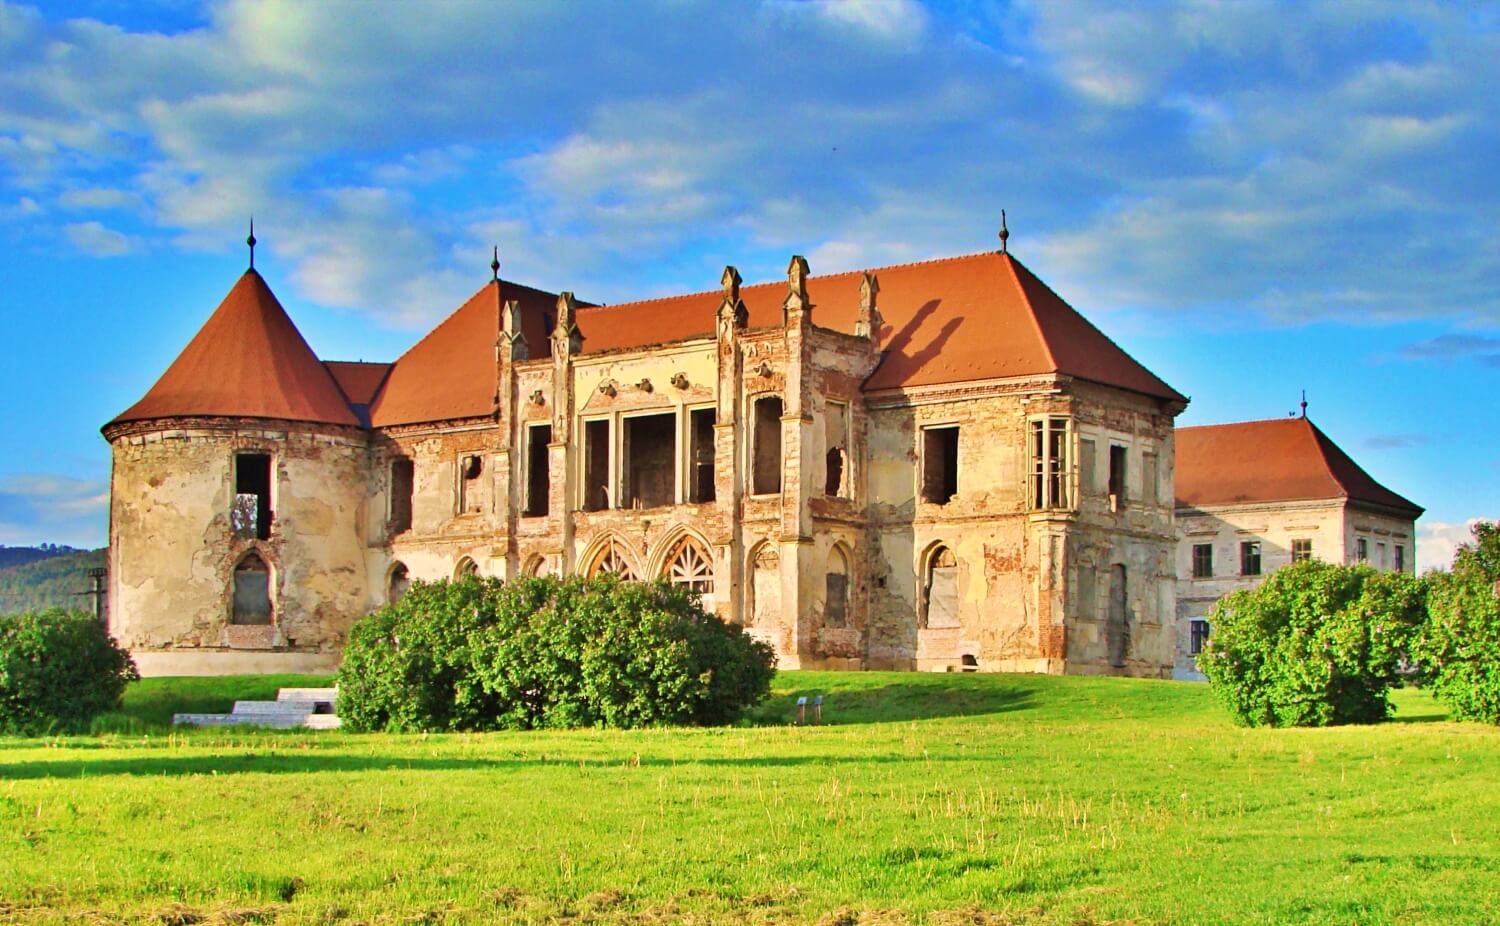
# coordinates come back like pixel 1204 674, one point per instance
pixel 1203 567
pixel 1199 631
pixel 923 432
pixel 1303 554
pixel 1252 553
pixel 1050 478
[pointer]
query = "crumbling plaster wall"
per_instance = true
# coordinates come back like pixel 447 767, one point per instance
pixel 173 553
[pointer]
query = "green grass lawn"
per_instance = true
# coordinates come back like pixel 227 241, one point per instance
pixel 924 798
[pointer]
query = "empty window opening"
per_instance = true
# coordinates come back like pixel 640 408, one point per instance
pixel 1148 478
pixel 251 516
pixel 1049 463
pixel 1400 558
pixel 466 568
pixel 1250 558
pixel 403 481
pixel 766 476
pixel 969 662
pixel 1361 550
pixel 612 560
pixel 650 460
pixel 765 586
pixel 1301 550
pixel 1117 631
pixel 596 465
pixel 536 566
pixel 252 591
pixel 538 472
pixel 1198 631
pixel 689 564
pixel 399 582
pixel 470 468
pixel 1087 460
pixel 836 590
pixel 1203 560
pixel 701 449
pixel 1117 458
pixel 836 439
pixel 939 464
pixel 940 590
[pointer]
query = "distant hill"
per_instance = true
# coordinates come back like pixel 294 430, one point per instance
pixel 19 556
pixel 52 579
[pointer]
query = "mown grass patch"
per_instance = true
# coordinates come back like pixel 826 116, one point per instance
pixel 924 798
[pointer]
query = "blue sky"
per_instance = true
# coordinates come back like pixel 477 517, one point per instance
pixel 1251 198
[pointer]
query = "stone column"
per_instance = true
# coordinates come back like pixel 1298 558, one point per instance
pixel 799 574
pixel 728 484
pixel 566 341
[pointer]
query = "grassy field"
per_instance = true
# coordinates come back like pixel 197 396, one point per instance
pixel 924 798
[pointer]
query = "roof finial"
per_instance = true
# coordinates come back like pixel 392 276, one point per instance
pixel 1004 234
pixel 251 242
pixel 495 266
pixel 1304 403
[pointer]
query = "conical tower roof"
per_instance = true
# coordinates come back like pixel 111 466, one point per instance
pixel 247 361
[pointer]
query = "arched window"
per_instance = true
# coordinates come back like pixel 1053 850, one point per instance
pixel 252 591
pixel 836 590
pixel 940 589
pixel 466 567
pixel 398 583
pixel 535 566
pixel 612 559
pixel 689 564
pixel 765 586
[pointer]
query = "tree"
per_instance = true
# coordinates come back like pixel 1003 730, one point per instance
pixel 1459 649
pixel 1316 644
pixel 58 670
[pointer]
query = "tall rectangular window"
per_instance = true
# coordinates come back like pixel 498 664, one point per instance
pixel 1148 478
pixel 1049 463
pixel 596 489
pixel 1361 550
pixel 1380 555
pixel 1117 460
pixel 251 516
pixel 939 464
pixel 836 439
pixel 1400 558
pixel 1198 631
pixel 701 450
pixel 470 469
pixel 1301 549
pixel 650 455
pixel 403 479
pixel 1250 558
pixel 1203 560
pixel 538 470
pixel 1087 460
pixel 767 461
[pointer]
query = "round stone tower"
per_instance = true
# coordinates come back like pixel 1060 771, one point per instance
pixel 237 503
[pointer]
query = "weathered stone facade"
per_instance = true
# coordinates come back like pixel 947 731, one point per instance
pixel 1013 522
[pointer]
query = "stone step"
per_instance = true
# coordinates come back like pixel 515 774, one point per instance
pixel 275 721
pixel 329 695
pixel 322 722
pixel 275 707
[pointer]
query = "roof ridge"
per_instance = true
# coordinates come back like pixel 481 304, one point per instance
pixel 811 279
pixel 1236 424
pixel 1319 445
pixel 447 318
pixel 1010 264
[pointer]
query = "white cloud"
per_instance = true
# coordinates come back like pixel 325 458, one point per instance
pixel 98 241
pixel 98 198
pixel 1437 541
pixel 43 508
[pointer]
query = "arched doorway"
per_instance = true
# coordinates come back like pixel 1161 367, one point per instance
pixel 398 583
pixel 252 591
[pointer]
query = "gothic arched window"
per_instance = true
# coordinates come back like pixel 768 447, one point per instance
pixel 689 564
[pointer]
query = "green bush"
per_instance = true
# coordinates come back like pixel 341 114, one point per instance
pixel 477 654
pixel 57 671
pixel 1315 645
pixel 1459 649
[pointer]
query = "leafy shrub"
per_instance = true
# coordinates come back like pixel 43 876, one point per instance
pixel 1459 649
pixel 57 671
pixel 1315 645
pixel 477 654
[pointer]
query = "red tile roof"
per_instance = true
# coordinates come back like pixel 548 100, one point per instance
pixel 983 316
pixel 358 379
pixel 1282 459
pixel 247 361
pixel 450 373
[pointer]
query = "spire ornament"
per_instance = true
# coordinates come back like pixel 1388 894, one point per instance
pixel 495 265
pixel 1004 234
pixel 251 242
